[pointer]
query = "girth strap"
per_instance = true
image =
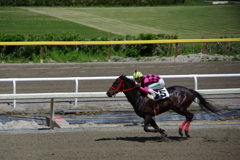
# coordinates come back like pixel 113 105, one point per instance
pixel 156 108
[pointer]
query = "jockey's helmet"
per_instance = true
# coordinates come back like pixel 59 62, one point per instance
pixel 137 74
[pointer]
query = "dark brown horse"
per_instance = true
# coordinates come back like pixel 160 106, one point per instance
pixel 180 99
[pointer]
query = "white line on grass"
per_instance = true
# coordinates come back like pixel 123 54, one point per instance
pixel 95 21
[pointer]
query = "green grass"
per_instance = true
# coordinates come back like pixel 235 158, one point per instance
pixel 187 22
pixel 208 21
pixel 18 20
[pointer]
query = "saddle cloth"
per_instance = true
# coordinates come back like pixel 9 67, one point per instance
pixel 163 93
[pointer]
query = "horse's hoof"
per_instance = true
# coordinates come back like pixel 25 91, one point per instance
pixel 180 132
pixel 164 134
pixel 162 130
pixel 186 133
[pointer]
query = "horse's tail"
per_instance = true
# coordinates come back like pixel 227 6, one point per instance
pixel 203 102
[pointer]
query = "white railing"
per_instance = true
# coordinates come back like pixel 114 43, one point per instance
pixel 78 94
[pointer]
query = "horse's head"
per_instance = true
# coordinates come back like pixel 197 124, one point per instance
pixel 121 84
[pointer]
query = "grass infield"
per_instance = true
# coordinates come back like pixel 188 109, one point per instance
pixel 212 21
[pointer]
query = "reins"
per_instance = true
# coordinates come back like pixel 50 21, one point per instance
pixel 120 85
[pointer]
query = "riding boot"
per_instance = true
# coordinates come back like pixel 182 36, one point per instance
pixel 157 97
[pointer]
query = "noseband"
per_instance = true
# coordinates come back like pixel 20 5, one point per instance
pixel 121 84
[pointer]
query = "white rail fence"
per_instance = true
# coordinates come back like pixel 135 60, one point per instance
pixel 78 94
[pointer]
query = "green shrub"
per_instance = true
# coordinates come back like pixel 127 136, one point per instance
pixel 39 2
pixel 88 2
pixel 12 51
pixel 88 53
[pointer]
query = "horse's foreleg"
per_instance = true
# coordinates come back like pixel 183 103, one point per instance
pixel 155 126
pixel 148 120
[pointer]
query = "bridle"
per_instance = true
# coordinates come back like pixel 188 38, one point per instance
pixel 121 84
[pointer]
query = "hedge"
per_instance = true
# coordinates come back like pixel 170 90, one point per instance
pixel 9 53
pixel 128 50
pixel 88 2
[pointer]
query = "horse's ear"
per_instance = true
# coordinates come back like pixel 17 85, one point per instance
pixel 122 76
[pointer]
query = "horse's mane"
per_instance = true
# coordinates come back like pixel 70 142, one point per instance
pixel 132 84
pixel 123 77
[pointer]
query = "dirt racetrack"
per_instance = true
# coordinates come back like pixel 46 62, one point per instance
pixel 215 142
pixel 208 141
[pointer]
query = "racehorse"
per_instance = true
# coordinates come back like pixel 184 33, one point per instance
pixel 180 99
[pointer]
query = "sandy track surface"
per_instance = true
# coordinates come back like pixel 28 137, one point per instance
pixel 216 142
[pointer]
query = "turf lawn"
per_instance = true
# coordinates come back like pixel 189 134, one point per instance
pixel 211 21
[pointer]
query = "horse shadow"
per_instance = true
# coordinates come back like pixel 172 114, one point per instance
pixel 145 139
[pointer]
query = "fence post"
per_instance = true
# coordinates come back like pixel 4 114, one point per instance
pixel 52 114
pixel 76 90
pixel 109 53
pixel 41 54
pixel 196 83
pixel 176 51
pixel 14 92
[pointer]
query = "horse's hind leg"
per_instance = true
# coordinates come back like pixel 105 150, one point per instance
pixel 181 127
pixel 186 123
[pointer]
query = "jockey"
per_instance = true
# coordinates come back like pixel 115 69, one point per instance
pixel 149 83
